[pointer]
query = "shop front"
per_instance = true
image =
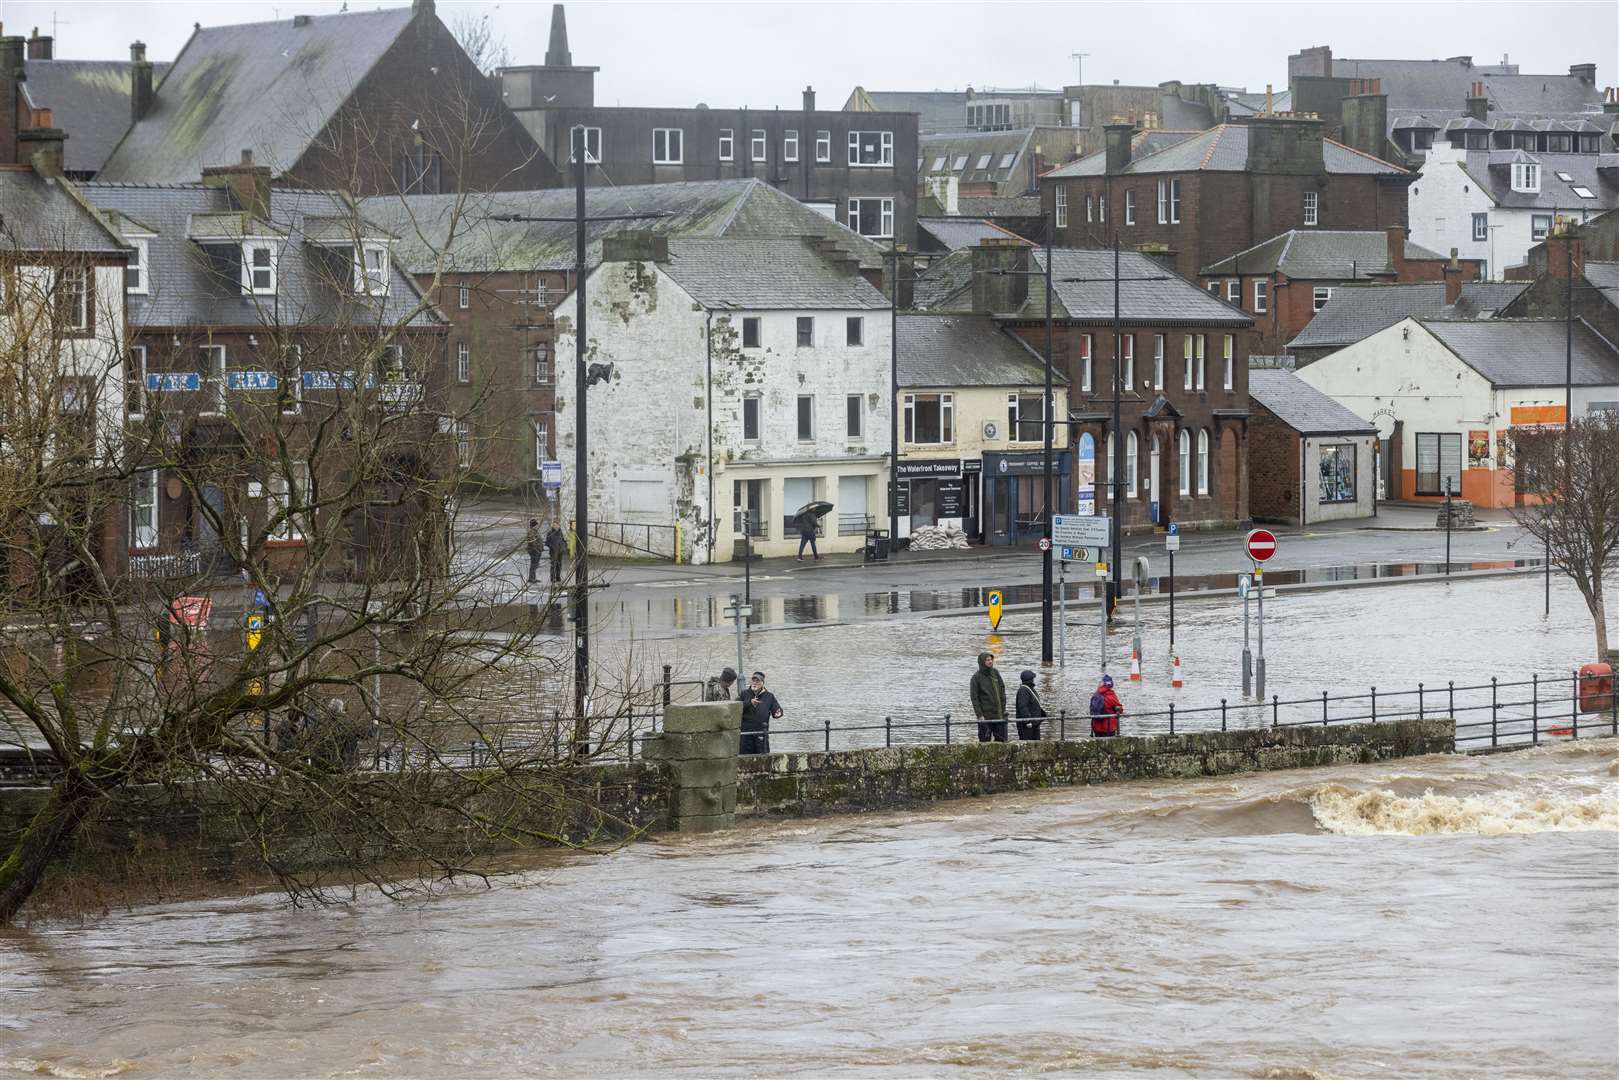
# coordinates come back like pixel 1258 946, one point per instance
pixel 931 492
pixel 1014 494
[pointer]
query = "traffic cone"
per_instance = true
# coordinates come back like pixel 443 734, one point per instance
pixel 1135 666
pixel 1175 673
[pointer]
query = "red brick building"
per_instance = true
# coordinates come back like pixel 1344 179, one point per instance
pixel 1222 191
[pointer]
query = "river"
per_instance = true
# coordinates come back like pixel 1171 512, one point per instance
pixel 1435 917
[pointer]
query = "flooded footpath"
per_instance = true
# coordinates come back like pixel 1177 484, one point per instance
pixel 1432 917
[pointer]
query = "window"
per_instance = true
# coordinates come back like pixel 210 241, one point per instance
pixel 1132 448
pixel 143 510
pixel 668 146
pixel 1090 209
pixel 73 299
pixel 135 271
pixel 1085 363
pixel 1233 291
pixel 806 331
pixel 854 410
pixel 372 276
pixel 1061 206
pixel 1007 160
pixel 983 162
pixel 1481 226
pixel 541 356
pixel 727 144
pixel 750 418
pixel 855 330
pixel 135 378
pixel 872 217
pixel 213 378
pixel 806 417
pixel 1214 288
pixel 1129 207
pixel 463 363
pixel 1128 379
pixel 1158 361
pixel 1101 208
pixel 542 444
pixel 1320 296
pixel 1203 462
pixel 1229 346
pixel 1189 352
pixel 757 145
pixel 1169 202
pixel 750 332
pixel 593 145
pixel 961 163
pixel 1439 463
pixel 871 148
pixel 938 163
pixel 789 145
pixel 1539 226
pixel 1337 483
pixel 1525 176
pixel 463 297
pixel 1186 462
pixel 823 147
pixel 1312 208
pixel 1584 192
pixel 286 499
pixel 1261 297
pixel 930 418
pixel 1025 415
pixel 1202 359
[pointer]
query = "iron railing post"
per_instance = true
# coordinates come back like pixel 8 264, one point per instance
pixel 667 688
pixel 1323 708
pixel 1419 702
pixel 1495 711
pixel 1534 708
pixel 1574 708
pixel 1062 725
pixel 1222 714
pixel 1453 699
pixel 947 729
pixel 1275 709
pixel 1172 718
pixel 1374 704
pixel 828 724
pixel 888 731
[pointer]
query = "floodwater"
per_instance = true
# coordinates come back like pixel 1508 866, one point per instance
pixel 1435 917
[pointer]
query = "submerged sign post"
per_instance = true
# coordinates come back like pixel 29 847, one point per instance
pixel 1260 545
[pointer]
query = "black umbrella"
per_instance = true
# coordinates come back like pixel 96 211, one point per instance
pixel 820 508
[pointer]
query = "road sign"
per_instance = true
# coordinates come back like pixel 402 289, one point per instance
pixel 995 609
pixel 731 612
pixel 255 630
pixel 1244 584
pixel 1101 569
pixel 1261 544
pixel 1174 528
pixel 1077 530
pixel 1045 544
pixel 551 475
pixel 1172 542
pixel 1079 554
pixel 258 598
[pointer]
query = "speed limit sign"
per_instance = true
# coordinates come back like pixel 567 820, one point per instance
pixel 1045 543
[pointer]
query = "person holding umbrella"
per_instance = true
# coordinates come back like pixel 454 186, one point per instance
pixel 808 518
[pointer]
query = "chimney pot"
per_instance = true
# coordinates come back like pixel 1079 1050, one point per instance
pixel 42 47
pixel 809 99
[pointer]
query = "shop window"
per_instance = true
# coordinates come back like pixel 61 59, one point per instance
pixel 1338 473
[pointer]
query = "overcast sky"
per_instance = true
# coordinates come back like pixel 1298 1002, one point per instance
pixel 763 54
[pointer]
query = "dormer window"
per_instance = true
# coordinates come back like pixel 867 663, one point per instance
pixel 258 268
pixel 371 271
pixel 1525 176
pixel 136 270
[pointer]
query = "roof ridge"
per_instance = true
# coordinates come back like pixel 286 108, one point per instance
pixel 1370 157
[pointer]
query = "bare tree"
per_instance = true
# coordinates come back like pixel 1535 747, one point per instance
pixel 483 46
pixel 1573 475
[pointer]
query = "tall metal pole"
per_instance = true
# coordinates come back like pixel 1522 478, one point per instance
pixel 1117 450
pixel 1049 503
pixel 893 409
pixel 581 509
pixel 1568 394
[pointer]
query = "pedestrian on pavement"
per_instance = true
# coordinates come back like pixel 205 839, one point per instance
pixel 719 686
pixel 759 707
pixel 536 548
pixel 806 535
pixel 1029 710
pixel 557 545
pixel 1106 709
pixel 988 695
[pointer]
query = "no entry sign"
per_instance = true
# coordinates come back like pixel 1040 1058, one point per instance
pixel 1261 544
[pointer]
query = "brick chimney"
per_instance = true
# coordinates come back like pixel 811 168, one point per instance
pixel 1118 135
pixel 249 184
pixel 41 144
pixel 1453 279
pixel 1285 143
pixel 140 82
pixel 998 293
pixel 1478 105
pixel 1396 250
pixel 42 47
pixel 12 51
pixel 809 99
pixel 1365 116
pixel 1563 249
pixel 1586 73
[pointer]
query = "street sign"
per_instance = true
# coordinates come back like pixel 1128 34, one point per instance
pixel 1172 542
pixel 1077 530
pixel 995 609
pixel 551 475
pixel 1244 584
pixel 1101 569
pixel 1079 554
pixel 1045 544
pixel 732 612
pixel 255 630
pixel 1260 545
pixel 258 598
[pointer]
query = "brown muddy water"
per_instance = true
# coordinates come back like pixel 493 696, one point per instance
pixel 1435 917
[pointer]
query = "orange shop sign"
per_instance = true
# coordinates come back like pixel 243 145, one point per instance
pixel 1526 415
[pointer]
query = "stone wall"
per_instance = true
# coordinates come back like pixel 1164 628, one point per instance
pixel 841 781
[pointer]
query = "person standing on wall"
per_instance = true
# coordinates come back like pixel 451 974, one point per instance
pixel 1029 710
pixel 759 707
pixel 988 695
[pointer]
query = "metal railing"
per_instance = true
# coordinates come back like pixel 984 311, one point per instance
pixel 855 524
pixel 655 540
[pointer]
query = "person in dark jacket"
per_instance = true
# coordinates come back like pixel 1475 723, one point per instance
pixel 759 707
pixel 1106 709
pixel 536 548
pixel 719 686
pixel 557 545
pixel 1029 710
pixel 988 695
pixel 807 523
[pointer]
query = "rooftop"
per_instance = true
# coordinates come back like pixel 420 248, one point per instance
pixel 1337 254
pixel 1301 406
pixel 965 350
pixel 766 273
pixel 1358 312
pixel 89 99
pixel 1529 352
pixel 1224 149
pixel 39 213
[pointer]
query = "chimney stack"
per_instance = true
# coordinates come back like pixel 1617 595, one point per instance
pixel 1365 116
pixel 1610 101
pixel 140 82
pixel 41 144
pixel 1396 250
pixel 42 47
pixel 1478 105
pixel 249 184
pixel 1118 136
pixel 1565 252
pixel 809 99
pixel 1453 279
pixel 1000 293
pixel 557 53
pixel 12 51
pixel 1586 73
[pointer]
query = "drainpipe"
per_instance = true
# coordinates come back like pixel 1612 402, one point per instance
pixel 708 339
pixel 1304 458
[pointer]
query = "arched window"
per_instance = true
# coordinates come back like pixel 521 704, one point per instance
pixel 1203 462
pixel 1132 449
pixel 1186 462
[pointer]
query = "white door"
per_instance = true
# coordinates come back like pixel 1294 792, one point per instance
pixel 852 507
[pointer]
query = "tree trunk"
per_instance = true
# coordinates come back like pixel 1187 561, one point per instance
pixel 34 851
pixel 1599 612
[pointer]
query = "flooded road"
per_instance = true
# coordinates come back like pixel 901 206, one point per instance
pixel 1433 917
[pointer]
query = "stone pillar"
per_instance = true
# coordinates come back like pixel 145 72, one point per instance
pixel 698 750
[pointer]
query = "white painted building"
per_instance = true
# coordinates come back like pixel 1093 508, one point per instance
pixel 1444 395
pixel 747 379
pixel 1495 205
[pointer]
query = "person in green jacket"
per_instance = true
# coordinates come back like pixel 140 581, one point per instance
pixel 988 695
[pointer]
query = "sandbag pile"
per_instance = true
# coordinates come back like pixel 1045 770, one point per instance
pixel 937 538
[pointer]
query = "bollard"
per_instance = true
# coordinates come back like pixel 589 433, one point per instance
pixel 1453 699
pixel 1175 674
pixel 947 729
pixel 828 724
pixel 1495 711
pixel 1275 710
pixel 1135 665
pixel 1374 704
pixel 1062 725
pixel 1172 718
pixel 1222 714
pixel 1323 708
pixel 1419 701
pixel 888 731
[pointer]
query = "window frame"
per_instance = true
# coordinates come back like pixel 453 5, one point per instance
pixel 727 144
pixel 135 395
pixel 1312 208
pixel 756 324
pixel 757 401
pixel 1481 227
pixel 1188 362
pixel 854 419
pixel 213 383
pixel 947 406
pixel 1320 295
pixel 591 157
pixel 284 490
pixel 1540 226
pixel 1060 205
pixel 1132 453
pixel 804 332
pixel 758 145
pixel 885 149
pixel 463 362
pixel 1229 347
pixel 140 266
pixel 77 321
pixel 1127 371
pixel 885 215
pixel 147 480
pixel 1202 461
pixel 1352 476
pixel 293 405
pixel 463 297
pixel 1202 354
pixel 1261 296
pixel 1090 207
pixel 801 421
pixel 539 356
pixel 541 430
pixel 368 280
pixel 1183 477
pixel 1087 355
pixel 1233 291
pixel 823 146
pixel 662 134
pixel 854 331
pixel 1016 420
pixel 1441 439
pixel 1129 206
pixel 789 145
pixel 1160 360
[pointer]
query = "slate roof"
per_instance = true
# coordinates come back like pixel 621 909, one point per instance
pixel 1605 276
pixel 1167 298
pixel 1224 149
pixel 270 86
pixel 1301 406
pixel 39 213
pixel 1597 173
pixel 1426 84
pixel 954 233
pixel 88 99
pixel 1528 352
pixel 943 281
pixel 1358 312
pixel 999 206
pixel 752 274
pixel 186 290
pixel 974 146
pixel 1306 254
pixel 1246 104
pixel 966 350
pixel 711 208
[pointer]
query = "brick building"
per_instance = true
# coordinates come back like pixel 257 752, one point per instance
pixel 1594 294
pixel 1214 194
pixel 1309 458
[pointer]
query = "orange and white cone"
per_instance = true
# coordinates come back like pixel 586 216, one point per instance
pixel 1135 666
pixel 1175 673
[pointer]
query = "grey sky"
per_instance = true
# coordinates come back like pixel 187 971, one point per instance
pixel 763 54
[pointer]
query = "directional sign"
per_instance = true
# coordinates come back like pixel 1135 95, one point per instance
pixel 1260 545
pixel 1079 554
pixel 732 613
pixel 1076 530
pixel 1244 584
pixel 995 609
pixel 1045 544
pixel 258 598
pixel 255 629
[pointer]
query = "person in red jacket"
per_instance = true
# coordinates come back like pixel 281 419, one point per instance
pixel 1106 709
